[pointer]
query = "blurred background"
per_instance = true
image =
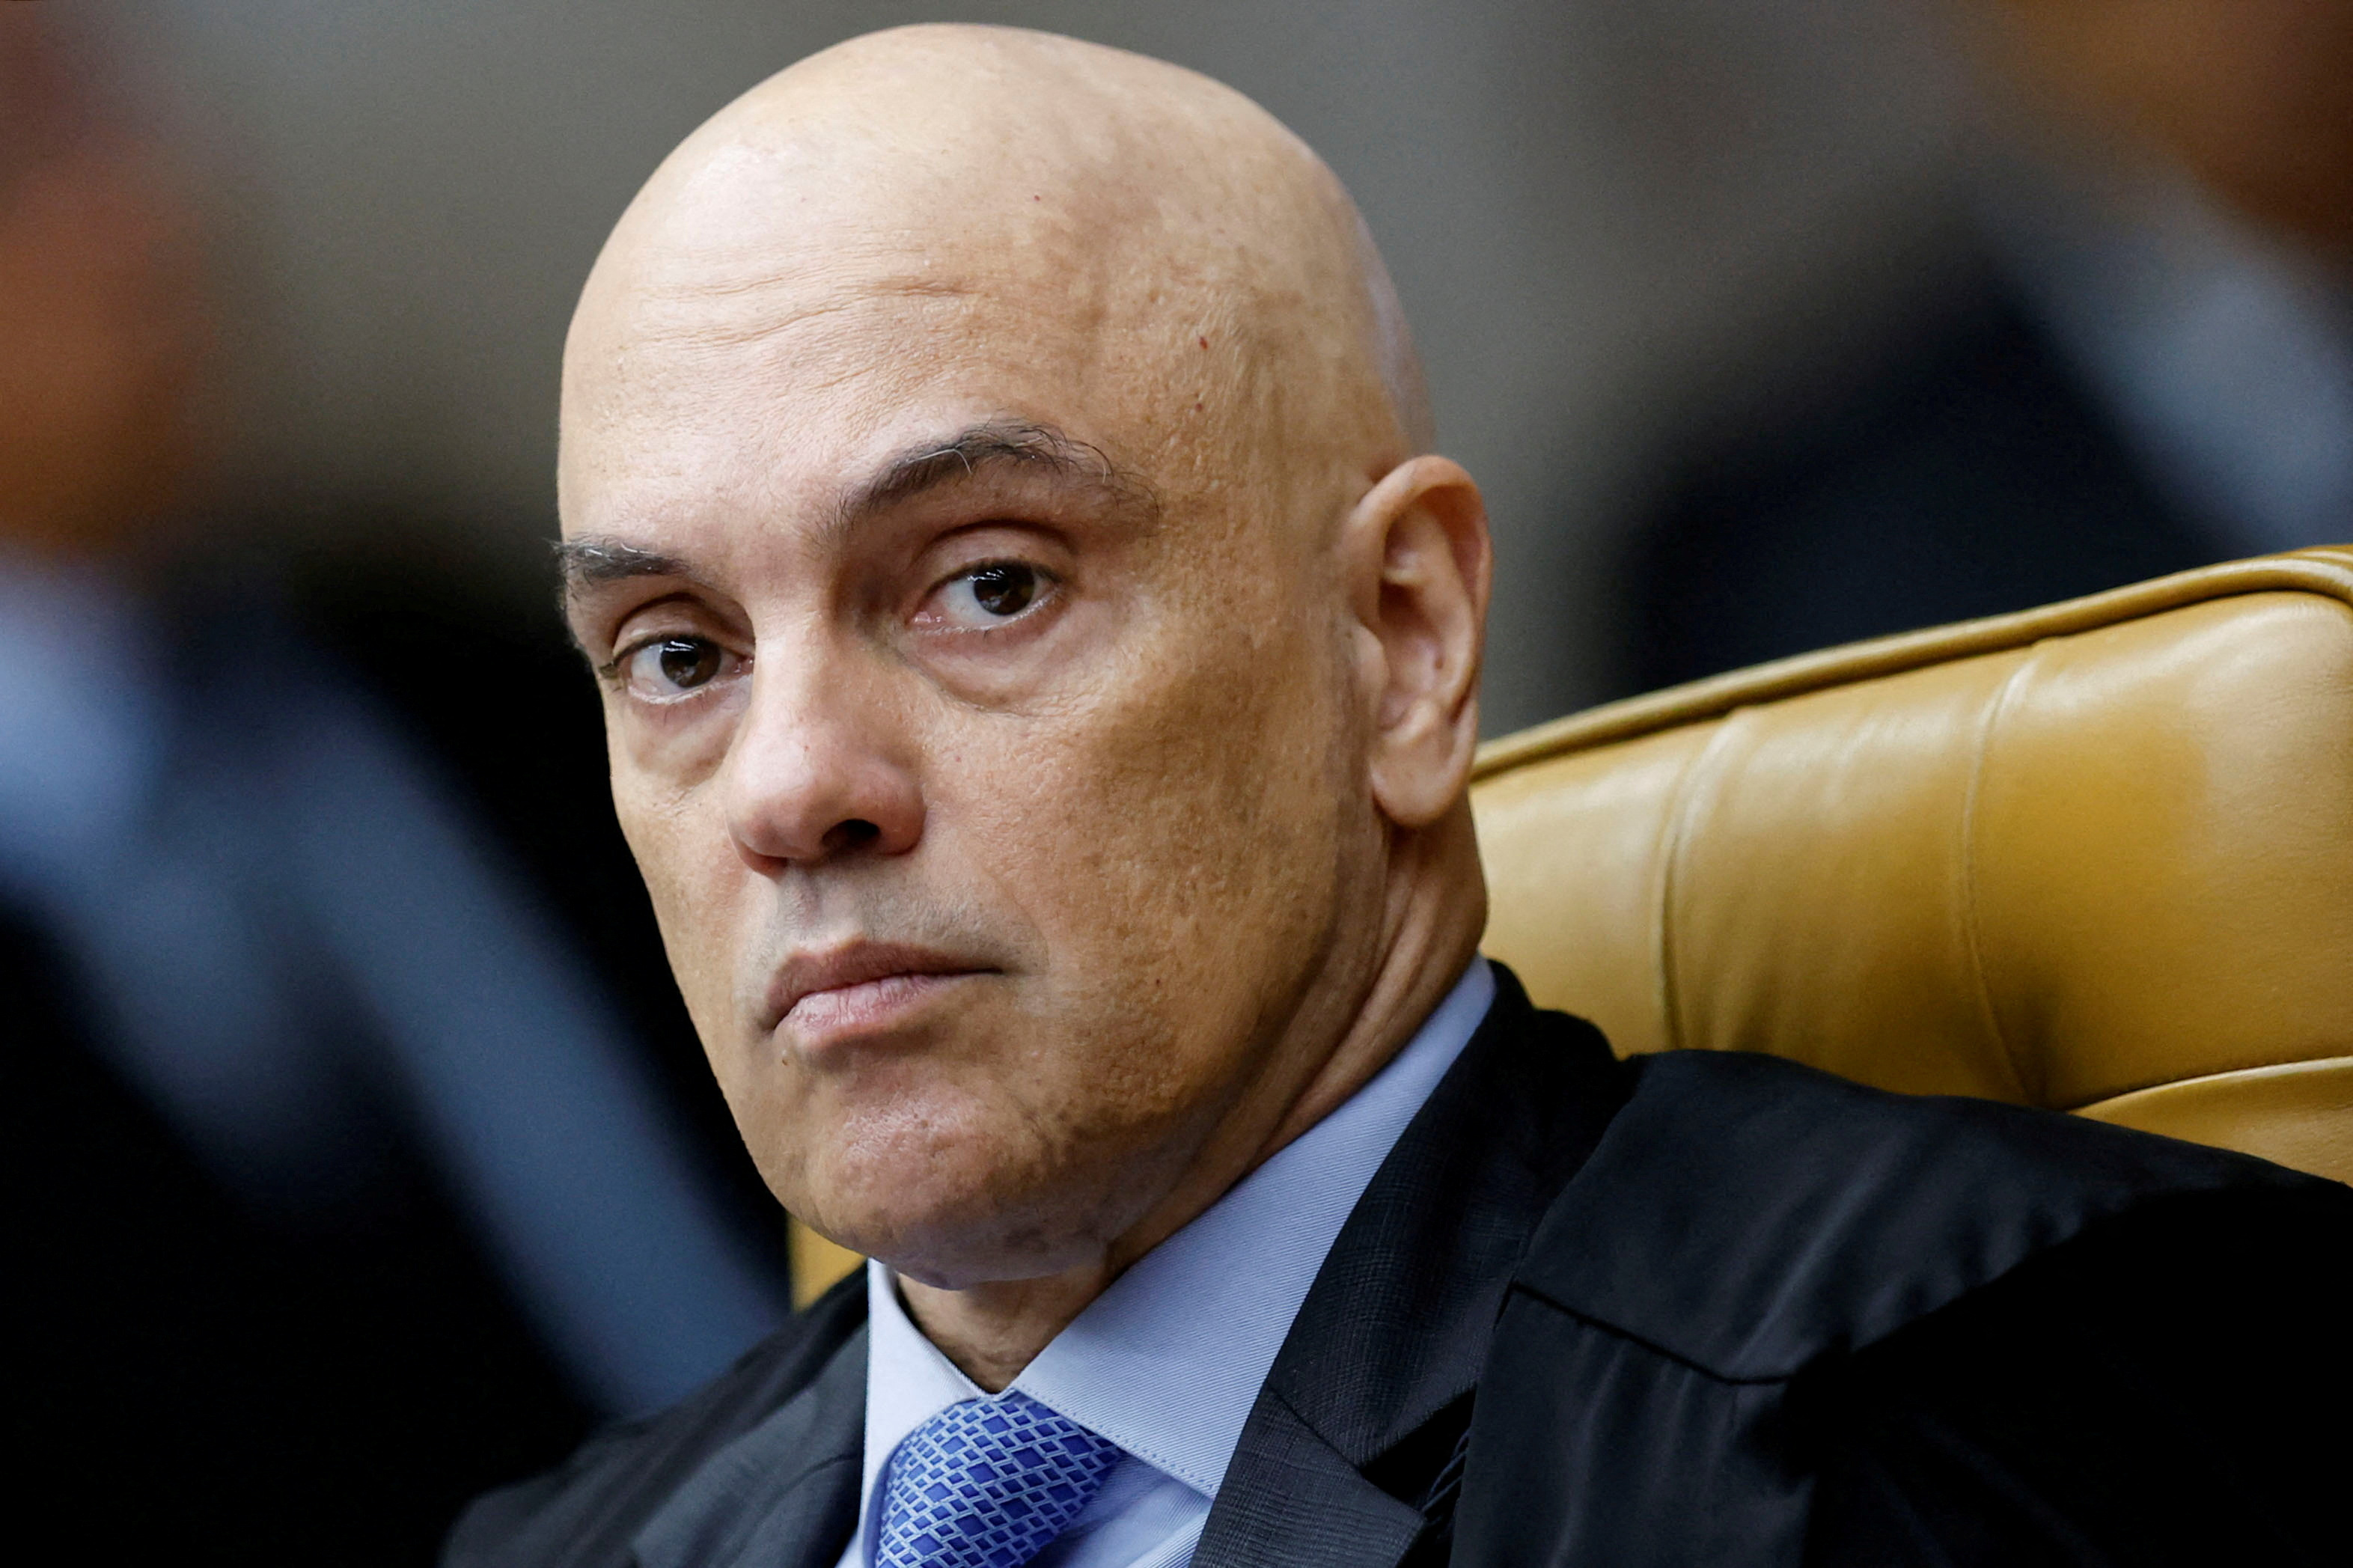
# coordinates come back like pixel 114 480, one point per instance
pixel 360 1156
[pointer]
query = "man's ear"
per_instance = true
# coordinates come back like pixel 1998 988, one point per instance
pixel 1419 563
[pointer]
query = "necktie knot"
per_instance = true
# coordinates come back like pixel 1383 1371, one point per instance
pixel 987 1484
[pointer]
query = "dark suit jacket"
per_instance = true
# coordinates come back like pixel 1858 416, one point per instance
pixel 1691 1308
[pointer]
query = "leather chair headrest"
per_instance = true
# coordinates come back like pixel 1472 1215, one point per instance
pixel 2096 856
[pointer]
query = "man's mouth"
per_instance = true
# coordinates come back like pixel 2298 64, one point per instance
pixel 859 986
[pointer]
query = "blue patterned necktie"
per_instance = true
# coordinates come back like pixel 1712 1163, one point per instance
pixel 987 1484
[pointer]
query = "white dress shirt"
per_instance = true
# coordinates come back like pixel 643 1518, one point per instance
pixel 1169 1361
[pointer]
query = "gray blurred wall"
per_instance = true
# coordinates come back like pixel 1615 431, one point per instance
pixel 1602 216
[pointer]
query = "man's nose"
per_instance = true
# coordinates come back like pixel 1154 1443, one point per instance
pixel 819 769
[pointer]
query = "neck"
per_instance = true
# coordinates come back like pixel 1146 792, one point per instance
pixel 1433 915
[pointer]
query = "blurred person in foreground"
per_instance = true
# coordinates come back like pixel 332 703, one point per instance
pixel 335 1190
pixel 2150 368
pixel 1039 658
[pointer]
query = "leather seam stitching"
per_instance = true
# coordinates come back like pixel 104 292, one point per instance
pixel 1972 928
pixel 1671 860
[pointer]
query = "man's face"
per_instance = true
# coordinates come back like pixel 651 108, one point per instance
pixel 987 747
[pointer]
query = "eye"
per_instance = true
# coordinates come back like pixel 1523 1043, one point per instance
pixel 987 595
pixel 667 668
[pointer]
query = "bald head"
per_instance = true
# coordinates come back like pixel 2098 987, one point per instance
pixel 1038 668
pixel 1168 231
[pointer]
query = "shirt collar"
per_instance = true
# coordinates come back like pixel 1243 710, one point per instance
pixel 1205 1312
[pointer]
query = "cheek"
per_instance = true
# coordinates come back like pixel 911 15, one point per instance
pixel 693 879
pixel 1178 847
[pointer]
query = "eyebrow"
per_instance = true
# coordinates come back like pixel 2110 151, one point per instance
pixel 992 444
pixel 596 559
pixel 585 563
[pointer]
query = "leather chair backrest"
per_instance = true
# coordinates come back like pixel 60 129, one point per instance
pixel 2096 856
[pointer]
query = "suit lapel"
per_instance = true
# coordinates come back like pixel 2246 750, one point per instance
pixel 1290 1498
pixel 783 1494
pixel 1351 1452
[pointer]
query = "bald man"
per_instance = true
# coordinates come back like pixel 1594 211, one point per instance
pixel 1040 663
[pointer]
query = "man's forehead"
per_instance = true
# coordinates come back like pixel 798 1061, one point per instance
pixel 1158 268
pixel 886 176
pixel 812 375
pixel 846 457
pixel 998 450
pixel 793 302
pixel 824 393
pixel 848 314
pixel 772 217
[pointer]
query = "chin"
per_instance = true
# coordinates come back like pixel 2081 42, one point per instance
pixel 957 1258
pixel 953 1233
pixel 953 1213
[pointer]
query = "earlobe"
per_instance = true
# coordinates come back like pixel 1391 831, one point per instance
pixel 1420 566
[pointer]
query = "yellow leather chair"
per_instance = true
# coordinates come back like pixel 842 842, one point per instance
pixel 2096 856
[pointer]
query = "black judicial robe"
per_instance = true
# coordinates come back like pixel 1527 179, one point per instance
pixel 1691 1308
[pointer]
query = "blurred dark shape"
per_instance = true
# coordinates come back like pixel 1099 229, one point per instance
pixel 2252 100
pixel 2150 368
pixel 99 309
pixel 350 1169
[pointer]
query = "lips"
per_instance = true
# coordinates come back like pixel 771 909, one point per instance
pixel 857 983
